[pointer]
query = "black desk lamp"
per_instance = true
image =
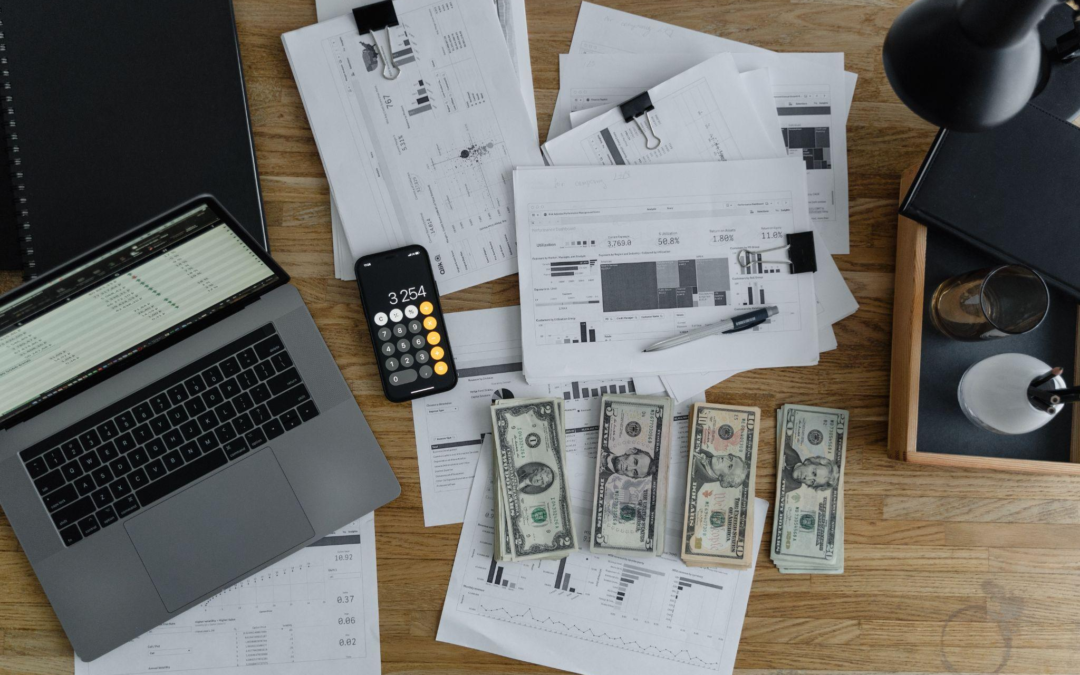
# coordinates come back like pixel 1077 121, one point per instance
pixel 968 65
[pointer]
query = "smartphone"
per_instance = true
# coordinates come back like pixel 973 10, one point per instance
pixel 406 323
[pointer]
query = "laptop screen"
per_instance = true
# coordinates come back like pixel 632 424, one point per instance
pixel 100 314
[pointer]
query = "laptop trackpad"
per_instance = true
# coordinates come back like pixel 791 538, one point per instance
pixel 219 530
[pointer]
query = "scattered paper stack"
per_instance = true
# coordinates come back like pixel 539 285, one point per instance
pixel 808 529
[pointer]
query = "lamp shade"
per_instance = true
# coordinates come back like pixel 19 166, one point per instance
pixel 967 65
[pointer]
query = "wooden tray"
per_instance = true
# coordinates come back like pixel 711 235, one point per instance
pixel 909 312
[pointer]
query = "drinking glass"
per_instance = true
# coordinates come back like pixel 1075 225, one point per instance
pixel 990 303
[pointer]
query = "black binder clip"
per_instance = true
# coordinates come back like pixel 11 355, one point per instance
pixel 635 109
pixel 376 17
pixel 802 255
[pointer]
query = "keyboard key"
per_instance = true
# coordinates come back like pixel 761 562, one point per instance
pixel 255 437
pixel 120 488
pixel 160 424
pixel 195 406
pixel 243 402
pixel 71 470
pixel 247 358
pixel 178 395
pixel 88 526
pixel 268 347
pixel 127 506
pixel 108 452
pixel 283 382
pixel 212 376
pixel 225 411
pixel 173 439
pixel 138 479
pixel 125 443
pixel 54 458
pixel 243 423
pixel 84 485
pixel 190 451
pixel 61 498
pixel 308 411
pixel 264 371
pixel 181 477
pixel 37 467
pixel 107 516
pixel 177 415
pixel 102 497
pixel 230 367
pixel 156 448
pixel 142 433
pixel 138 457
pixel 73 513
pixel 195 385
pixel 103 475
pixel 208 420
pixel 261 394
pixel 120 466
pixel 143 412
pixel 125 421
pixel 207 442
pixel 230 388
pixel 288 400
pixel 71 449
pixel 235 448
pixel 212 397
pixel 260 415
pixel 225 433
pixel 247 379
pixel 71 535
pixel 160 403
pixel 155 469
pixel 50 482
pixel 108 430
pixel 90 440
pixel 281 361
pixel 173 460
pixel 273 429
pixel 290 420
pixel 89 461
pixel 190 430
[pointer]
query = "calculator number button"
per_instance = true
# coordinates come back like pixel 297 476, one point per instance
pixel 381 319
pixel 411 311
pixel 402 377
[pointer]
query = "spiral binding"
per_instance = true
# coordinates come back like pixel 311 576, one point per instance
pixel 15 164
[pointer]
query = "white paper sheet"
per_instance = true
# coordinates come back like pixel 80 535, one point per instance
pixel 595 614
pixel 314 613
pixel 701 114
pixel 449 426
pixel 425 158
pixel 616 258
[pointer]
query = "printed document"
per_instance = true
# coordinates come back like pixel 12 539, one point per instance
pixel 595 614
pixel 701 114
pixel 314 613
pixel 449 426
pixel 426 158
pixel 614 259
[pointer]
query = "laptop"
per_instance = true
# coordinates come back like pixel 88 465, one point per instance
pixel 171 422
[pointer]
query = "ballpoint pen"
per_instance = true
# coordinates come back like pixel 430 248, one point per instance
pixel 735 324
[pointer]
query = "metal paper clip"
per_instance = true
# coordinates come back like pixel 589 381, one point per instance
pixel 634 109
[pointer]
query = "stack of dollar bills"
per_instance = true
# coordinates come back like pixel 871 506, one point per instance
pixel 630 487
pixel 722 468
pixel 808 527
pixel 533 519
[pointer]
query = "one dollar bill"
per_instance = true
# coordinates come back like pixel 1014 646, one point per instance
pixel 630 488
pixel 534 519
pixel 722 468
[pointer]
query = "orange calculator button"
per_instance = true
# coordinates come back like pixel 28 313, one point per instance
pixel 430 323
pixel 426 308
pixel 433 338
pixel 437 353
pixel 441 368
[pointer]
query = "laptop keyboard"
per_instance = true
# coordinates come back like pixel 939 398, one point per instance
pixel 169 434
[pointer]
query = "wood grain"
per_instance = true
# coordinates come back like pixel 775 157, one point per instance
pixel 947 570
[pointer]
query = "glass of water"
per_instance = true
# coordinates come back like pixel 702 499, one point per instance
pixel 990 303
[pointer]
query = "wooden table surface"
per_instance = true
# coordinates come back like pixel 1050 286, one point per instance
pixel 946 570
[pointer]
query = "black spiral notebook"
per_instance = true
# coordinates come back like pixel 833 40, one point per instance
pixel 115 111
